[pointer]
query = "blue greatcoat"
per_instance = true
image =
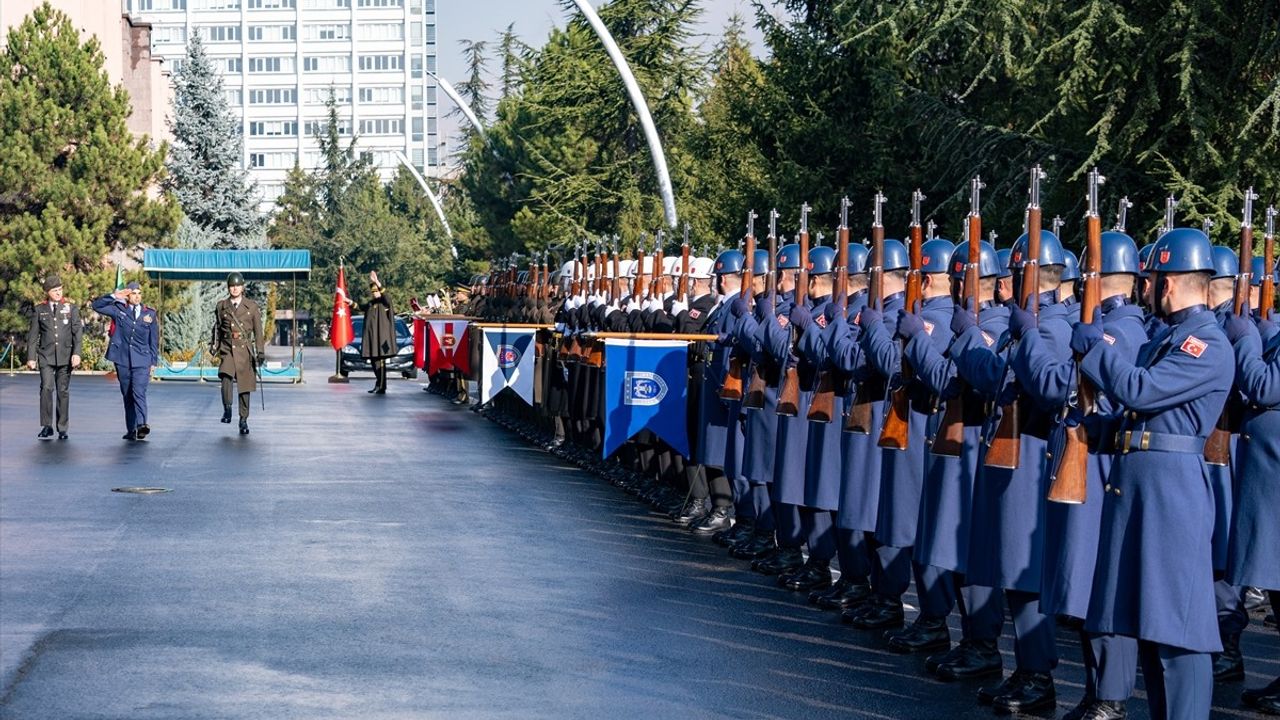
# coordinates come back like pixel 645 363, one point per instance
pixel 1154 578
pixel 859 454
pixel 1006 541
pixel 902 471
pixel 1071 538
pixel 822 450
pixel 761 431
pixel 793 432
pixel 1254 550
pixel 946 500
pixel 715 413
pixel 1221 477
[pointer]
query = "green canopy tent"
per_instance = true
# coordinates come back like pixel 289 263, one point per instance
pixel 215 265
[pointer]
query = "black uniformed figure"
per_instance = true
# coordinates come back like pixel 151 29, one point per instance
pixel 237 342
pixel 379 340
pixel 53 345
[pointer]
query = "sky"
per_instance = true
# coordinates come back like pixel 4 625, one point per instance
pixel 486 19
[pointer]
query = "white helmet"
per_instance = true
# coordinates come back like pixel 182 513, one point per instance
pixel 700 268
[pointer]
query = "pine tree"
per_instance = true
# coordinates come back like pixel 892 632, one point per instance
pixel 510 51
pixel 205 171
pixel 473 89
pixel 73 181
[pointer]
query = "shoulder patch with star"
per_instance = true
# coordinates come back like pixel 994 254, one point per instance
pixel 1194 346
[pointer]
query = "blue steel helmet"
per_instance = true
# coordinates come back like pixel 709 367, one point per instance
pixel 1226 264
pixel 822 260
pixel 760 264
pixel 1119 254
pixel 988 260
pixel 1144 255
pixel 1071 271
pixel 895 256
pixel 1050 251
pixel 935 254
pixel 1257 270
pixel 1002 256
pixel 858 256
pixel 789 257
pixel 1182 250
pixel 729 262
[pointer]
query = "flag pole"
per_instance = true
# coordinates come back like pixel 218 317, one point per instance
pixel 339 297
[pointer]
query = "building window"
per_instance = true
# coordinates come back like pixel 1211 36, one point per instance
pixel 321 126
pixel 178 63
pixel 431 95
pixel 431 6
pixel 382 126
pixel 417 129
pixel 431 63
pixel 415 95
pixel 432 158
pixel 416 66
pixel 271 160
pixel 327 63
pixel 273 128
pixel 327 32
pixel 326 4
pixel 231 65
pixel 431 34
pixel 382 31
pixel 273 96
pixel 220 33
pixel 234 96
pixel 392 95
pixel 272 4
pixel 271 64
pixel 169 35
pixel 381 62
pixel 381 3
pixel 417 157
pixel 216 4
pixel 272 33
pixel 320 95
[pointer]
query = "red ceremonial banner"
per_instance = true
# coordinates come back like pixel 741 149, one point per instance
pixel 447 346
pixel 341 333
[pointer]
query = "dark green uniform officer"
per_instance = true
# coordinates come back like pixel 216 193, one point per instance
pixel 53 346
pixel 237 342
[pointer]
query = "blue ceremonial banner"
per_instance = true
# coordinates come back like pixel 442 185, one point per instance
pixel 507 362
pixel 646 387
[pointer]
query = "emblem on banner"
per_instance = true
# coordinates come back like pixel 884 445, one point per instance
pixel 643 388
pixel 508 357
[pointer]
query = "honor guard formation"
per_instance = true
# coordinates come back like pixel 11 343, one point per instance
pixel 1090 443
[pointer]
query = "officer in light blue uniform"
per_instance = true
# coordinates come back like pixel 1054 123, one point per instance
pixel 787 488
pixel 822 442
pixel 1154 578
pixel 852 548
pixel 135 350
pixel 1071 541
pixel 1006 545
pixel 862 459
pixel 1252 559
pixel 759 424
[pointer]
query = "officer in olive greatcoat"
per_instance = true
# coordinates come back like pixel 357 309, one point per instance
pixel 237 342
pixel 53 346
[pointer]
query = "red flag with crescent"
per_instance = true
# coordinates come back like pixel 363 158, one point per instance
pixel 341 333
pixel 447 346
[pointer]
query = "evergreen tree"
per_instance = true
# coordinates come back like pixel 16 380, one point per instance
pixel 73 181
pixel 473 90
pixel 510 51
pixel 205 171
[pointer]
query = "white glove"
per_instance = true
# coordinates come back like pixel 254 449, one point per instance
pixel 610 310
pixel 568 304
pixel 678 307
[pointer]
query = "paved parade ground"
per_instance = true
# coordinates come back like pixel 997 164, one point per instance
pixel 395 556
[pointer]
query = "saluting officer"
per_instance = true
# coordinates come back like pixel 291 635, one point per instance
pixel 135 350
pixel 238 343
pixel 53 345
pixel 1154 579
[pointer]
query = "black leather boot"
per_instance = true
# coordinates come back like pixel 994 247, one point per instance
pixel 1264 698
pixel 143 431
pixel 1103 710
pixel 814 574
pixel 1228 665
pixel 988 694
pixel 784 560
pixel 46 433
pixel 838 587
pixel 976 658
pixel 740 531
pixel 882 614
pixel 924 634
pixel 1036 693
pixel 759 545
pixel 854 594
pixel 717 520
pixel 244 426
pixel 693 511
pixel 226 414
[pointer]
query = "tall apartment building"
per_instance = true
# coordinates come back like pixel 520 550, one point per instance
pixel 280 59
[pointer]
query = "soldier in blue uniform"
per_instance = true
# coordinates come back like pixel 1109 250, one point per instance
pixel 1154 578
pixel 822 458
pixel 719 418
pixel 879 606
pixel 135 350
pixel 1252 559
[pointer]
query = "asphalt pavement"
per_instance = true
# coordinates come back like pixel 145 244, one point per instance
pixel 395 556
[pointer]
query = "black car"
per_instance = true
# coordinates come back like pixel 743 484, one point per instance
pixel 402 362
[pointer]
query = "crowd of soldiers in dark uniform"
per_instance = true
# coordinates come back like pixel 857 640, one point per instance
pixel 1154 569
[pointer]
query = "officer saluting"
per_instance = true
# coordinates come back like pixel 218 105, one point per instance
pixel 135 350
pixel 237 341
pixel 53 345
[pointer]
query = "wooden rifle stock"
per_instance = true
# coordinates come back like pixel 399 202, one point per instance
pixel 789 393
pixel 896 432
pixel 1267 293
pixel 755 396
pixel 1006 447
pixel 1217 447
pixel 732 388
pixel 859 418
pixel 949 441
pixel 1069 472
pixel 823 406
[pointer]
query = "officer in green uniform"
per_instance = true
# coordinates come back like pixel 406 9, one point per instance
pixel 237 343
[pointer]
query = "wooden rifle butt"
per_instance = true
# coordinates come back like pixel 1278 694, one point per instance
pixel 858 419
pixel 1217 447
pixel 732 388
pixel 896 430
pixel 1069 479
pixel 823 407
pixel 754 397
pixel 1006 448
pixel 949 441
pixel 789 393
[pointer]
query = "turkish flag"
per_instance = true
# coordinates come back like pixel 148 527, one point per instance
pixel 448 346
pixel 341 332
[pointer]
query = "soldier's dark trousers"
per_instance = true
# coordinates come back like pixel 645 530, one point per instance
pixel 1179 682
pixel 936 588
pixel 226 397
pixel 981 611
pixel 133 388
pixel 820 533
pixel 709 482
pixel 379 372
pixel 854 554
pixel 895 571
pixel 1232 617
pixel 763 505
pixel 55 378
pixel 1034 646
pixel 787 521
pixel 743 507
pixel 1115 662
